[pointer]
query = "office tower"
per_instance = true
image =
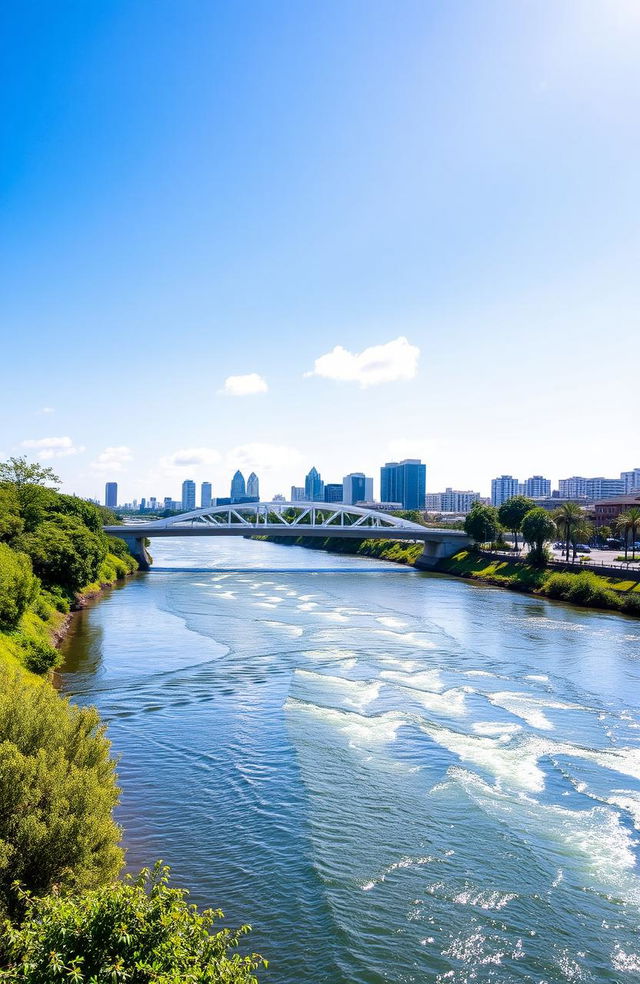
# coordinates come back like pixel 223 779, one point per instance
pixel 111 495
pixel 238 487
pixel 404 482
pixel 503 488
pixel 297 493
pixel 314 487
pixel 572 488
pixel 356 487
pixel 333 492
pixel 451 500
pixel 188 495
pixel 537 487
pixel 602 488
pixel 253 486
pixel 631 480
pixel 205 495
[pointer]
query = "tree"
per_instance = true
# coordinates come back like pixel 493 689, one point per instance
pixel 63 551
pixel 537 528
pixel 629 523
pixel 567 518
pixel 18 586
pixel 57 792
pixel 481 523
pixel 11 524
pixel 32 484
pixel 512 512
pixel 140 931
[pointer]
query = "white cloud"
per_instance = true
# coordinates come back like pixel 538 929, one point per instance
pixel 189 458
pixel 112 459
pixel 263 458
pixel 52 447
pixel 377 364
pixel 46 410
pixel 245 385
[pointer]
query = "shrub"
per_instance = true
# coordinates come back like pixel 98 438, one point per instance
pixel 587 589
pixel 631 603
pixel 57 790
pixel 140 931
pixel 18 586
pixel 64 552
pixel 39 656
pixel 558 585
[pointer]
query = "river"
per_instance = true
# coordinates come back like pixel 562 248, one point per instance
pixel 393 776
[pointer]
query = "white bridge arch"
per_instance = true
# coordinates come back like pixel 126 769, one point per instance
pixel 291 519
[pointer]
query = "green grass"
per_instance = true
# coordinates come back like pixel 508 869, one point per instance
pixel 395 551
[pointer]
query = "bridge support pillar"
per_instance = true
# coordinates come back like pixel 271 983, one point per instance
pixel 138 550
pixel 436 550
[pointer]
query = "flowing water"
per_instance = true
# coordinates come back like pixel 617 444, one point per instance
pixel 393 776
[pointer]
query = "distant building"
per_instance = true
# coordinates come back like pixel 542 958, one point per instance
pixel 603 488
pixel 278 498
pixel 503 488
pixel 631 480
pixel 314 486
pixel 356 488
pixel 573 488
pixel 205 495
pixel 451 500
pixel 111 495
pixel 382 506
pixel 333 492
pixel 253 486
pixel 188 495
pixel 297 493
pixel 606 512
pixel 537 487
pixel 404 482
pixel 238 487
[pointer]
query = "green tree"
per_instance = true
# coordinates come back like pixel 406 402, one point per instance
pixel 628 523
pixel 11 524
pixel 481 523
pixel 512 512
pixel 32 485
pixel 140 931
pixel 57 792
pixel 568 518
pixel 18 586
pixel 63 551
pixel 537 528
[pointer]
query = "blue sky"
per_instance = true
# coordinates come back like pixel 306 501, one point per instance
pixel 194 192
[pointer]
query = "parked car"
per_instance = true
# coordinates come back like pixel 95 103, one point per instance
pixel 583 548
pixel 613 544
pixel 558 546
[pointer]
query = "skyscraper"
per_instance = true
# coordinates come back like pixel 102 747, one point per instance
pixel 188 495
pixel 503 488
pixel 537 487
pixel 356 488
pixel 404 482
pixel 205 495
pixel 238 487
pixel 297 493
pixel 253 486
pixel 314 487
pixel 333 492
pixel 111 495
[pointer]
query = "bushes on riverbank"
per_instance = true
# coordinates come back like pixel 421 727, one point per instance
pixel 399 552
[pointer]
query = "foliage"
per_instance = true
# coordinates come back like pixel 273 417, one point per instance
pixel 482 523
pixel 64 552
pixel 32 485
pixel 11 523
pixel 537 528
pixel 584 588
pixel 628 523
pixel 569 517
pixel 140 931
pixel 512 512
pixel 57 790
pixel 18 586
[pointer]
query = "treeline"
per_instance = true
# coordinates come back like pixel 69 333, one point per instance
pixel 65 915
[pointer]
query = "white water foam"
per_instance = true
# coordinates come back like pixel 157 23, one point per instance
pixel 430 680
pixel 530 709
pixel 357 694
pixel 358 728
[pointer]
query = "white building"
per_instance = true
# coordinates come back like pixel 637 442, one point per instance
pixel 297 493
pixel 356 488
pixel 537 487
pixel 253 486
pixel 503 488
pixel 631 480
pixel 451 500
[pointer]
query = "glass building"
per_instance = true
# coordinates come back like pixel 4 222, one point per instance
pixel 111 495
pixel 404 481
pixel 314 487
pixel 188 494
pixel 238 487
pixel 205 495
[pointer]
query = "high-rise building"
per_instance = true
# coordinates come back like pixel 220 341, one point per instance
pixel 631 480
pixel 238 487
pixel 205 495
pixel 572 488
pixel 314 486
pixel 297 493
pixel 451 500
pixel 188 495
pixel 578 487
pixel 333 492
pixel 253 486
pixel 111 495
pixel 537 487
pixel 356 487
pixel 404 482
pixel 503 488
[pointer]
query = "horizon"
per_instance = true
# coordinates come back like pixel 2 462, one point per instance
pixel 267 238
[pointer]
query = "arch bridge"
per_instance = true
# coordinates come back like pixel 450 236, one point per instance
pixel 293 519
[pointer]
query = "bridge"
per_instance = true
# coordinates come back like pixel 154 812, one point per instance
pixel 293 519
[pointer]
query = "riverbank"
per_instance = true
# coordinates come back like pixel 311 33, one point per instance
pixel 621 594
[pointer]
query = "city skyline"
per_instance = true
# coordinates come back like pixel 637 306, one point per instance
pixel 442 292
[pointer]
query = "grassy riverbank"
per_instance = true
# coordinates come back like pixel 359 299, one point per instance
pixel 393 550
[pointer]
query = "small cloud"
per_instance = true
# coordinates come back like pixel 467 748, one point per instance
pixel 245 385
pixel 374 365
pixel 52 447
pixel 190 458
pixel 112 459
pixel 46 410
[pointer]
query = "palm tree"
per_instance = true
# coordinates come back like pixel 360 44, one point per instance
pixel 568 519
pixel 629 522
